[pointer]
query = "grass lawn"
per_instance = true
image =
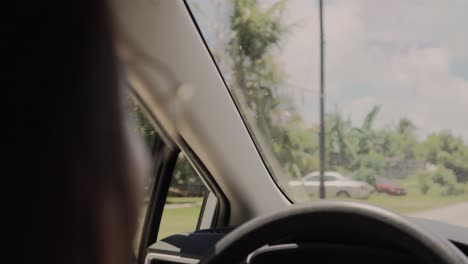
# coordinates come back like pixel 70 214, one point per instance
pixel 181 220
pixel 174 220
pixel 176 200
pixel 178 220
pixel 414 202
pixel 409 203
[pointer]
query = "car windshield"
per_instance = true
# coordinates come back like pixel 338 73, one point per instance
pixel 395 93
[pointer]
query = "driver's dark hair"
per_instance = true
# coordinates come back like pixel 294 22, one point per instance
pixel 70 158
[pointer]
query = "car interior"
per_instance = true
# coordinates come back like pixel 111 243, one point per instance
pixel 245 213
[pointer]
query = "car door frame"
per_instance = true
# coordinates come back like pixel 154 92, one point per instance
pixel 164 154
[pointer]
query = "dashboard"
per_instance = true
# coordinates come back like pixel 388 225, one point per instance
pixel 193 247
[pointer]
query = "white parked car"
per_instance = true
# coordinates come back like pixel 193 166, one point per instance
pixel 335 185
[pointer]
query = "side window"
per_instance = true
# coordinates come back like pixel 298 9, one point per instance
pixel 184 200
pixel 186 195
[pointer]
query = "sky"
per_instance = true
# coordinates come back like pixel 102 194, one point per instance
pixel 409 56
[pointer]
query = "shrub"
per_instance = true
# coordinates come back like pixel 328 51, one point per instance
pixel 442 177
pixel 453 189
pixel 374 161
pixel 424 181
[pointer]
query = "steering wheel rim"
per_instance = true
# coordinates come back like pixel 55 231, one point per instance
pixel 317 217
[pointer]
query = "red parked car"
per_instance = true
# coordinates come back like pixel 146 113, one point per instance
pixel 385 185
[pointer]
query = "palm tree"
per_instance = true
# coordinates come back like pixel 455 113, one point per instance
pixel 365 134
pixel 405 126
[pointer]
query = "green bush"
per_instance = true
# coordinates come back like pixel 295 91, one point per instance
pixel 374 161
pixel 424 181
pixel 453 189
pixel 447 179
pixel 442 177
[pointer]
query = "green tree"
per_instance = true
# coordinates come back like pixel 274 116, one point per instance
pixel 143 125
pixel 424 181
pixel 365 133
pixel 443 177
pixel 432 146
pixel 306 150
pixel 405 126
pixel 185 180
pixel 341 151
pixel 257 34
pixel 375 161
pixel 449 151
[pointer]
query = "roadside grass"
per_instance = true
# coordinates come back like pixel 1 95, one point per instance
pixel 178 220
pixel 174 220
pixel 413 202
pixel 176 200
pixel 416 201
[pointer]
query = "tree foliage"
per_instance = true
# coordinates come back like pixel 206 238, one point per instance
pixel 361 150
pixel 257 33
pixel 143 125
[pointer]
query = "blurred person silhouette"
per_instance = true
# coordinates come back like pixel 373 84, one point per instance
pixel 75 162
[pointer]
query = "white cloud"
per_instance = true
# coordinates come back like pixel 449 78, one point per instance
pixel 395 53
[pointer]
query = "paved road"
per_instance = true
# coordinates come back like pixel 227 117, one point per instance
pixel 453 214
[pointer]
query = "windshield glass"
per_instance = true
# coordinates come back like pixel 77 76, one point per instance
pixel 395 94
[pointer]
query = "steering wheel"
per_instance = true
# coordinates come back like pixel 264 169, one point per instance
pixel 335 222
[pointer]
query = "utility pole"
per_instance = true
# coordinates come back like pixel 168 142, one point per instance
pixel 322 103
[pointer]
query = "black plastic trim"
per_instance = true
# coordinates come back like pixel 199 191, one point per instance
pixel 222 212
pixel 159 192
pixel 164 153
pixel 202 210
